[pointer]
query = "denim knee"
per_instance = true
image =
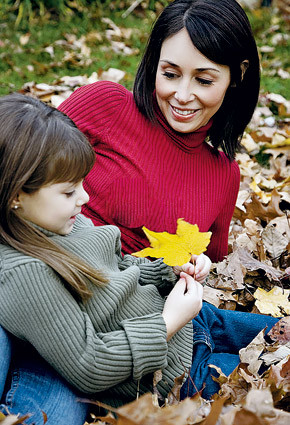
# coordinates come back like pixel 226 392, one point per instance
pixel 228 331
pixel 200 377
pixel 43 390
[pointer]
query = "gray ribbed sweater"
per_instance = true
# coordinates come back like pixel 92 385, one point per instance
pixel 108 343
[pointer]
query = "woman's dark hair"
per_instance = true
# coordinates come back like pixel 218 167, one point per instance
pixel 40 145
pixel 221 31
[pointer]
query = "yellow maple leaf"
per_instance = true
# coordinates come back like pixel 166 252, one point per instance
pixel 175 249
pixel 274 302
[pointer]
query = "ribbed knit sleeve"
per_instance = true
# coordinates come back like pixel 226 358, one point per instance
pixel 218 248
pixel 40 310
pixel 94 107
pixel 155 272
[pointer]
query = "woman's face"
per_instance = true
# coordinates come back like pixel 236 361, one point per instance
pixel 190 88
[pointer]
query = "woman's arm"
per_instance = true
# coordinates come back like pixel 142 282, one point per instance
pixel 218 248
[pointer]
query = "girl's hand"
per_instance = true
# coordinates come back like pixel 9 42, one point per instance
pixel 202 267
pixel 198 267
pixel 183 304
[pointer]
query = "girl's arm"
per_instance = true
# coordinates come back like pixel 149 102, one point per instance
pixel 151 272
pixel 38 308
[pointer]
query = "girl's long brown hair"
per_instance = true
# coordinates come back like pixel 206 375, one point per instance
pixel 39 145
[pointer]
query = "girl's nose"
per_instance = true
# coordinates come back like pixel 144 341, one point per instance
pixel 83 198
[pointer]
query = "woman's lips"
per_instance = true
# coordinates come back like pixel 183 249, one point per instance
pixel 183 114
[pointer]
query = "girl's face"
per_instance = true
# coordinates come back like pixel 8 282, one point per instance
pixel 53 207
pixel 190 88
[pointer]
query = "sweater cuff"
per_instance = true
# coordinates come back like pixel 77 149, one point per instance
pixel 158 273
pixel 147 339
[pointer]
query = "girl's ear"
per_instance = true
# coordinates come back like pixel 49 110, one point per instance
pixel 16 202
pixel 244 66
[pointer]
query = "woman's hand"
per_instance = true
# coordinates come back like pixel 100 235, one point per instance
pixel 198 267
pixel 183 304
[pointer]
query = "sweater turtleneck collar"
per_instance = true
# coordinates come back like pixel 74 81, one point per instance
pixel 188 142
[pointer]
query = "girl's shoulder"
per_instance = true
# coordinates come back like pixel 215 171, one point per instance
pixel 83 231
pixel 12 259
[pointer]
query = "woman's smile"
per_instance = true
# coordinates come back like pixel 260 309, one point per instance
pixel 185 113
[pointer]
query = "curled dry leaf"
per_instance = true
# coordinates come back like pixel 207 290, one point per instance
pixel 254 208
pixel 232 268
pixel 260 402
pixel 252 264
pixel 273 357
pixel 233 387
pixel 174 394
pixel 219 298
pixel 251 353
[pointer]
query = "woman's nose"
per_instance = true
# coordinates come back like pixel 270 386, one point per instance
pixel 184 93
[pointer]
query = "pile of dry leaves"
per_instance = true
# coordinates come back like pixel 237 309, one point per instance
pixel 254 277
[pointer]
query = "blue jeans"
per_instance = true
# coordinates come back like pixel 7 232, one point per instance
pixel 5 358
pixel 33 386
pixel 218 335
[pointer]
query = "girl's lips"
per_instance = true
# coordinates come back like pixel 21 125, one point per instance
pixel 73 217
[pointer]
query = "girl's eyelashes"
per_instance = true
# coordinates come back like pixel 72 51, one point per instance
pixel 69 194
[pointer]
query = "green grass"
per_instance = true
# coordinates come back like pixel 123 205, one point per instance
pixel 16 60
pixel 271 30
pixel 20 64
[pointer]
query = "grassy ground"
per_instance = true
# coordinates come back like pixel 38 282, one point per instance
pixel 50 47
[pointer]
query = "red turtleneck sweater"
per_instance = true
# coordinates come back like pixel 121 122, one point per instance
pixel 150 175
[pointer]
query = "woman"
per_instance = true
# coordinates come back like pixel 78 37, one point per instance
pixel 198 80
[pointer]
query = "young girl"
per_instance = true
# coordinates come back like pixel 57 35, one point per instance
pixel 96 317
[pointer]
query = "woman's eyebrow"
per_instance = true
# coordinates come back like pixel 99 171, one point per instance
pixel 207 69
pixel 169 63
pixel 197 69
